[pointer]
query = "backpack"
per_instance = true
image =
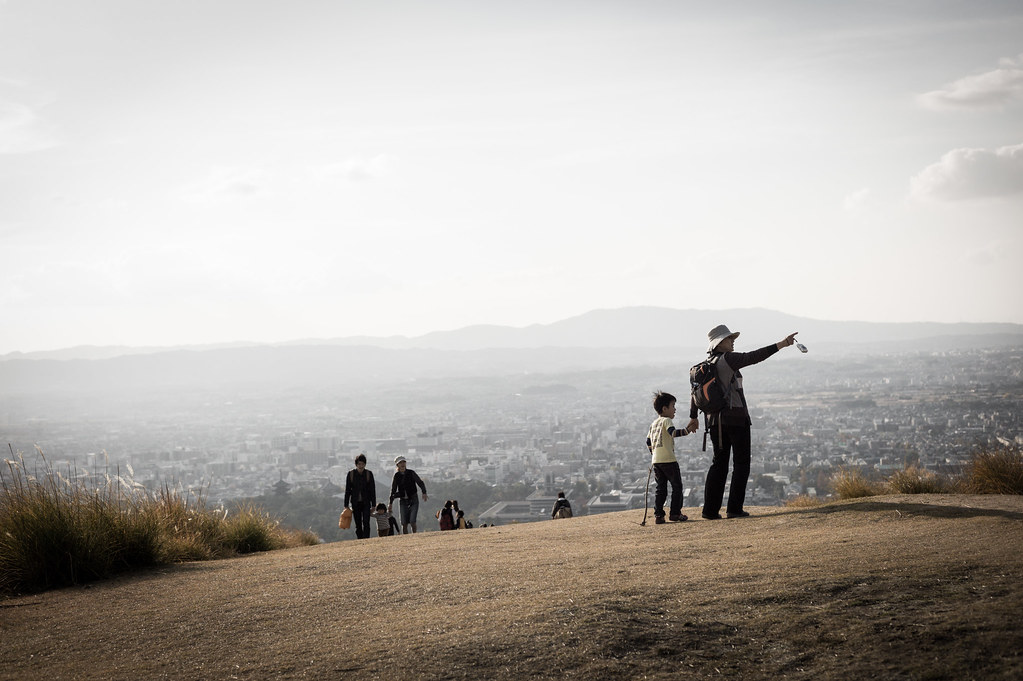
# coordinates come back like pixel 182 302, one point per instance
pixel 447 521
pixel 708 394
pixel 565 511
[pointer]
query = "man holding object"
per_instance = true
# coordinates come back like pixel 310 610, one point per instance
pixel 733 435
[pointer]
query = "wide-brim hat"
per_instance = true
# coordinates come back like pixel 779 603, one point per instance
pixel 718 334
pixel 398 459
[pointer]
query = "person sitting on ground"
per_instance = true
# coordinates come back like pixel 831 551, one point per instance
pixel 386 524
pixel 446 517
pixel 460 522
pixel 562 509
pixel 661 443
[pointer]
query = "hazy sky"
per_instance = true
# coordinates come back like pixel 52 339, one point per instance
pixel 210 171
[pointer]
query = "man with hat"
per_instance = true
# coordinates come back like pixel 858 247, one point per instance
pixel 730 427
pixel 403 488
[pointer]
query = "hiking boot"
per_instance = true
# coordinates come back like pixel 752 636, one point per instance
pixel 711 516
pixel 659 520
pixel 737 514
pixel 680 518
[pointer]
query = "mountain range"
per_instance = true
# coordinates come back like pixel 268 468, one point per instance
pixel 596 340
pixel 630 327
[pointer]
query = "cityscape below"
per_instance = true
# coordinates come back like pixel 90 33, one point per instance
pixel 581 432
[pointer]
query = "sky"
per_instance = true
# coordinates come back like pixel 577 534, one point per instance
pixel 196 172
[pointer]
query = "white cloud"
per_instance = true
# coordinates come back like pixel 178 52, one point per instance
pixel 358 169
pixel 21 131
pixel 970 174
pixel 991 90
pixel 856 201
pixel 225 183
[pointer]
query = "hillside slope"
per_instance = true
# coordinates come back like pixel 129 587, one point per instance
pixel 901 586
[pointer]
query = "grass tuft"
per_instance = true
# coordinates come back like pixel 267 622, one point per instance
pixel 915 480
pixel 995 471
pixel 852 484
pixel 296 538
pixel 56 530
pixel 250 530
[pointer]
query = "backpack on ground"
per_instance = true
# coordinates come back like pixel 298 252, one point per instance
pixel 709 395
pixel 565 511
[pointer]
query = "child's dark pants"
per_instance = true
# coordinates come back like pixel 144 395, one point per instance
pixel 665 473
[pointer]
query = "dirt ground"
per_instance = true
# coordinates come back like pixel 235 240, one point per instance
pixel 912 587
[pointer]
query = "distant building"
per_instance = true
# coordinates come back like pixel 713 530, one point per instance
pixel 615 501
pixel 542 502
pixel 331 490
pixel 281 488
pixel 506 512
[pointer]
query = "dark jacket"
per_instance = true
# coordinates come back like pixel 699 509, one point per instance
pixel 403 485
pixel 360 489
pixel 562 502
pixel 728 369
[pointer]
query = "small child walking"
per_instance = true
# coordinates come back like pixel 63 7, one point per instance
pixel 661 443
pixel 386 524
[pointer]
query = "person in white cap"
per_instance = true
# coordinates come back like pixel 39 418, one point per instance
pixel 403 488
pixel 730 428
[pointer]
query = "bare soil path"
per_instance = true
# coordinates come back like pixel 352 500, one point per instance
pixel 914 587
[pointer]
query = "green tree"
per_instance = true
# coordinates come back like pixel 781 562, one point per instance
pixel 302 509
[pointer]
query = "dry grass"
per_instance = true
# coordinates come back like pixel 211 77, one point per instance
pixel 803 501
pixel 915 480
pixel 996 471
pixel 915 587
pixel 851 484
pixel 58 530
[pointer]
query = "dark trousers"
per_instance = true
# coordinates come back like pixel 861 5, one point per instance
pixel 734 440
pixel 665 473
pixel 360 514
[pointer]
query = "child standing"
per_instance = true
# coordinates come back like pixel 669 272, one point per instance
pixel 386 524
pixel 661 443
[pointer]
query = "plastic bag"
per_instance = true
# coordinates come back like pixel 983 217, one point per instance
pixel 345 521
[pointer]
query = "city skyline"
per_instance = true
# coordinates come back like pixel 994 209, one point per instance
pixel 200 173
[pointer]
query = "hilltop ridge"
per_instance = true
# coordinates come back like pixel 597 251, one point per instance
pixel 925 586
pixel 625 327
pixel 597 340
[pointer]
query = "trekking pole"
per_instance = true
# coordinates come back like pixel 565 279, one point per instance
pixel 646 495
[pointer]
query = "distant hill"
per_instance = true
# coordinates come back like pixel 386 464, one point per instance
pixel 901 587
pixel 629 327
pixel 597 340
pixel 293 366
pixel 111 351
pixel 654 327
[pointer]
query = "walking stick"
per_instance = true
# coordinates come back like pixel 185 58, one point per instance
pixel 646 495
